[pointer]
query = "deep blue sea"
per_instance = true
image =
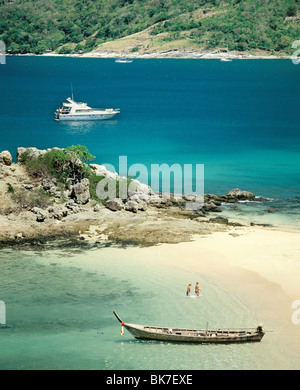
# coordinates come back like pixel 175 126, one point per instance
pixel 240 119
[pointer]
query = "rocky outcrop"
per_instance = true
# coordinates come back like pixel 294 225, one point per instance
pixel 81 191
pixel 233 196
pixel 31 153
pixel 140 190
pixel 143 217
pixel 5 158
pixel 115 204
pixel 101 170
pixel 135 206
pixel 221 220
pixel 72 206
pixel 58 212
pixel 49 185
pixel 238 194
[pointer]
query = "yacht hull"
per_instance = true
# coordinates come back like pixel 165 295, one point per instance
pixel 70 117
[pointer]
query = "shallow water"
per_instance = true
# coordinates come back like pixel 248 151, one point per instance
pixel 59 312
pixel 278 213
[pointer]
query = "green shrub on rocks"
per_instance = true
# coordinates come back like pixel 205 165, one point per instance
pixel 61 164
pixel 65 167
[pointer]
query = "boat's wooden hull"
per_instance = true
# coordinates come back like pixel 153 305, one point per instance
pixel 194 336
pixel 191 335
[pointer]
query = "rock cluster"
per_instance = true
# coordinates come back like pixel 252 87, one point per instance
pixel 137 196
pixel 67 200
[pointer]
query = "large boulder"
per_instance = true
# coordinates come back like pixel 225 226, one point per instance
pixel 240 195
pixel 132 205
pixel 115 204
pixel 5 158
pixel 136 187
pixel 81 191
pixel 220 220
pixel 48 185
pixel 101 170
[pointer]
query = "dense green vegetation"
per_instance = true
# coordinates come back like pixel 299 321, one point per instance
pixel 81 25
pixel 61 164
pixel 66 167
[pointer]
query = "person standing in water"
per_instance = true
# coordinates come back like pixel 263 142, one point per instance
pixel 197 289
pixel 188 291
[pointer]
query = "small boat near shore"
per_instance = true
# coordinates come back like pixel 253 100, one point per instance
pixel 75 111
pixel 240 335
pixel 124 60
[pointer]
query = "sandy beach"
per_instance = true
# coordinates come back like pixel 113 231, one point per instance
pixel 258 265
pixel 258 268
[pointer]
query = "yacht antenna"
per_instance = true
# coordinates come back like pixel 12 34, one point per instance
pixel 72 91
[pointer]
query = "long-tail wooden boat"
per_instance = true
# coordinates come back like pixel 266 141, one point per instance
pixel 193 335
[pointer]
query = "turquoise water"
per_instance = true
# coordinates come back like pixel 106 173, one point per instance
pixel 59 311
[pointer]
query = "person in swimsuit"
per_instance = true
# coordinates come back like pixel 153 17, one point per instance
pixel 197 289
pixel 188 291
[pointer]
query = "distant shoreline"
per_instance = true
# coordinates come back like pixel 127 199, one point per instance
pixel 169 54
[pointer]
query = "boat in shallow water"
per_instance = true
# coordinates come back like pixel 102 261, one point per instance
pixel 75 111
pixel 240 335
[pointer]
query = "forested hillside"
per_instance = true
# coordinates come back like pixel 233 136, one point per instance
pixel 70 26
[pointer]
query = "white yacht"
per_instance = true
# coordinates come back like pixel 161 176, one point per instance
pixel 75 111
